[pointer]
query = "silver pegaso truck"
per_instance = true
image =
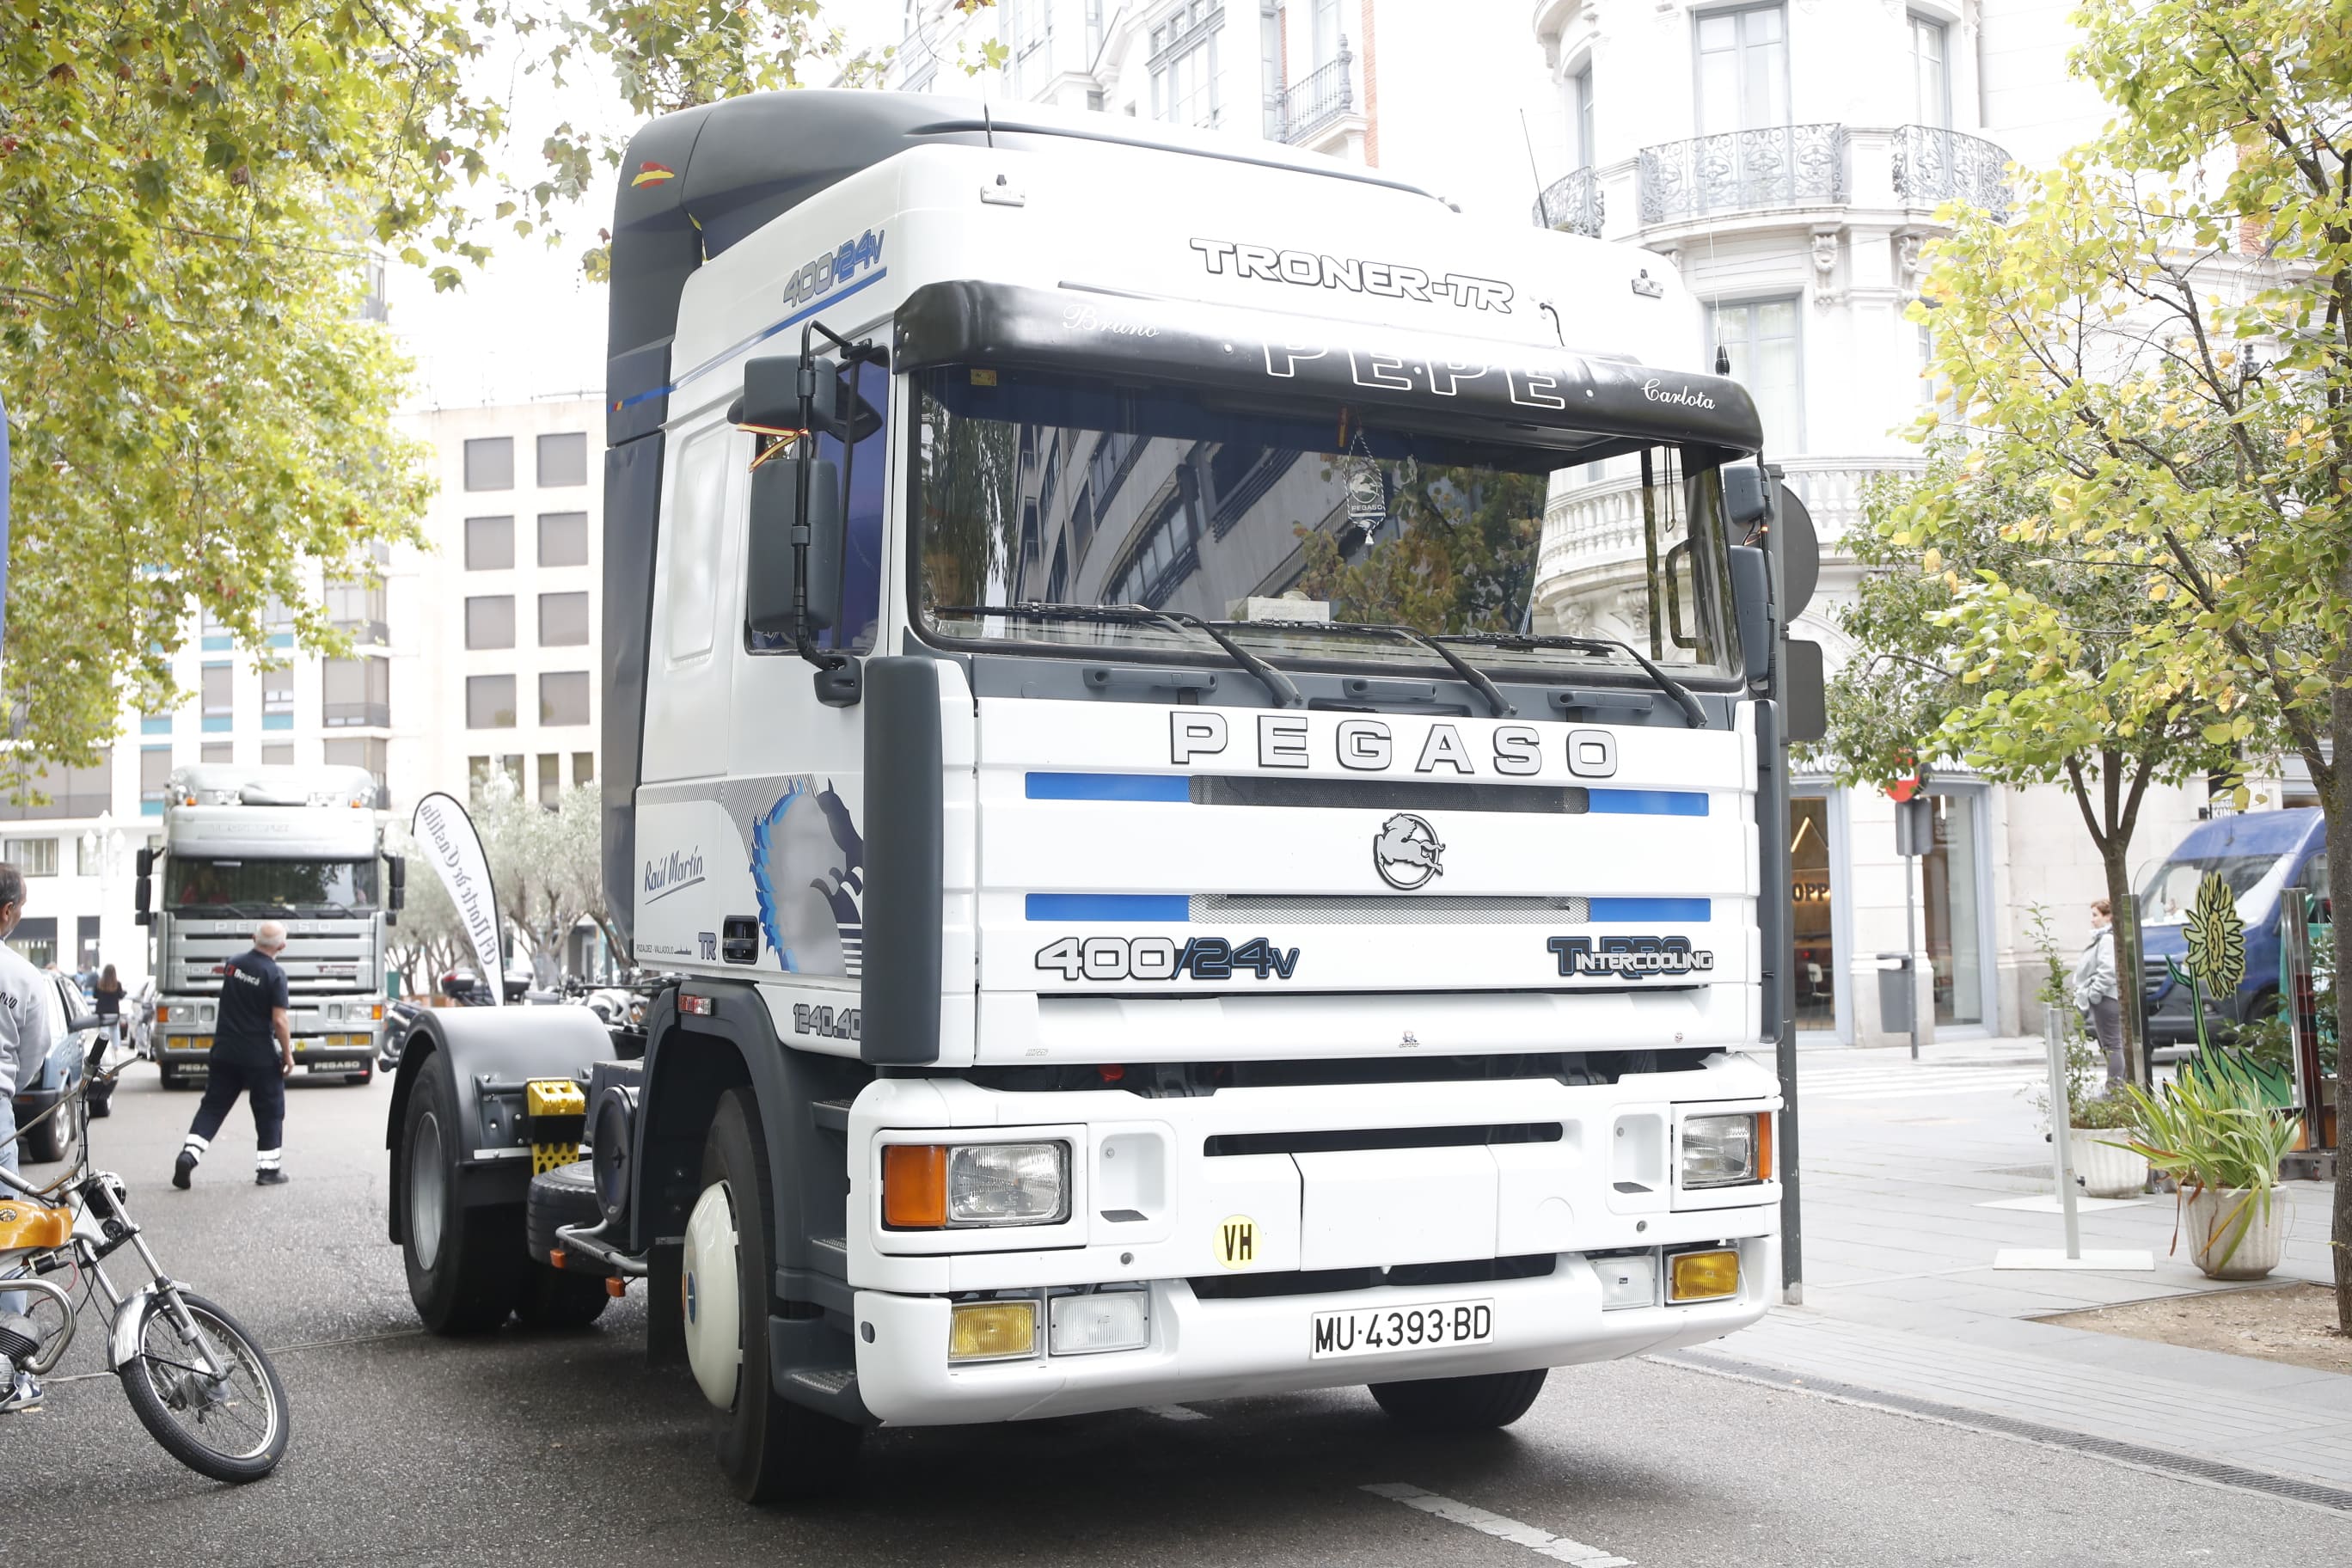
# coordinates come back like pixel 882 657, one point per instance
pixel 300 846
pixel 1166 897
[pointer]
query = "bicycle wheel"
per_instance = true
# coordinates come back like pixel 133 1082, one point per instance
pixel 232 1428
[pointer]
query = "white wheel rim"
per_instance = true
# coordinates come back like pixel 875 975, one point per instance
pixel 713 1304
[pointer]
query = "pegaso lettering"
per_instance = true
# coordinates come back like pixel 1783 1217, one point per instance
pixel 1629 957
pixel 838 266
pixel 1370 746
pixel 1388 279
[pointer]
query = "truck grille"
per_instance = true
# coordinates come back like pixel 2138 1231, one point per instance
pixel 1324 1281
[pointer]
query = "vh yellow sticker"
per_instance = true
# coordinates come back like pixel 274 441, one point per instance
pixel 1237 1242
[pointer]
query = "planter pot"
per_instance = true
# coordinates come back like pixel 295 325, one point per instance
pixel 2212 1221
pixel 2106 1172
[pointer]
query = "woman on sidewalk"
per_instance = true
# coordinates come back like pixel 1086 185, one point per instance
pixel 2097 993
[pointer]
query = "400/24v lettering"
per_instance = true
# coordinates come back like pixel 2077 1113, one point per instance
pixel 1367 746
pixel 1159 958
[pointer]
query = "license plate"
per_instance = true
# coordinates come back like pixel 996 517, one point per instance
pixel 1380 1330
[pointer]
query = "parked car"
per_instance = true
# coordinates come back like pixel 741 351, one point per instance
pixel 2258 854
pixel 41 1086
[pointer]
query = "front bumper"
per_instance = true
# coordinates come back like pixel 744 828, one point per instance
pixel 1221 1349
pixel 332 1049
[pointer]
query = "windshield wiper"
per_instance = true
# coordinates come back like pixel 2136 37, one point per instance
pixel 1496 703
pixel 1522 642
pixel 1277 685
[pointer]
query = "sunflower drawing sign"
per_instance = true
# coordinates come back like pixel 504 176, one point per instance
pixel 2216 937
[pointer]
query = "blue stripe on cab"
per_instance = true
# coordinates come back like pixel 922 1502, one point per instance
pixel 1110 906
pixel 1613 911
pixel 1109 786
pixel 1646 802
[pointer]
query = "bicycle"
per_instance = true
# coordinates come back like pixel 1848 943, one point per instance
pixel 197 1380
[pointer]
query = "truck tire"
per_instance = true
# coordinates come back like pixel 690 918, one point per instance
pixel 465 1265
pixel 557 1297
pixel 770 1450
pixel 1477 1404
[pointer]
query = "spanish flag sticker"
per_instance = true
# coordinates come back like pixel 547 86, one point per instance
pixel 653 174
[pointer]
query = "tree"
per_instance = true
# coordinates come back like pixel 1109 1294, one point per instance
pixel 1462 558
pixel 546 866
pixel 2161 345
pixel 2037 661
pixel 190 195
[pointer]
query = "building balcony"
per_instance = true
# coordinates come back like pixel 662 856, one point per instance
pixel 1316 102
pixel 1574 205
pixel 1933 165
pixel 1766 177
pixel 1744 170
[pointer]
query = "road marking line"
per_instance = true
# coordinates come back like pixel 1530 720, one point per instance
pixel 1173 1412
pixel 1542 1542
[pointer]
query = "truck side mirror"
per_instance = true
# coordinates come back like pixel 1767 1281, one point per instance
pixel 146 863
pixel 395 882
pixel 775 510
pixel 1804 700
pixel 771 403
pixel 143 891
pixel 1747 495
pixel 1751 608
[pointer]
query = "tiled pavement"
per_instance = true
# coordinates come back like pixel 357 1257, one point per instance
pixel 1900 1296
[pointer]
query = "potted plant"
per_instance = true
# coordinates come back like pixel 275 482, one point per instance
pixel 2105 1169
pixel 2214 1135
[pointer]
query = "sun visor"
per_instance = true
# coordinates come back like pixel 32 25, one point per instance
pixel 1552 397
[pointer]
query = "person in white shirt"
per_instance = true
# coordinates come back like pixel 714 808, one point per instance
pixel 2097 994
pixel 26 1040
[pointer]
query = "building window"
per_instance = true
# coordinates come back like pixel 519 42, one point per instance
pixel 1184 64
pixel 480 771
pixel 1167 554
pixel 278 754
pixel 1023 28
pixel 562 460
pixel 583 767
pixel 217 684
pixel 216 752
pixel 212 632
pixel 1743 69
pixel 155 725
pixel 1931 72
pixel 563 697
pixel 155 773
pixel 356 691
pixel 489 543
pixel 490 463
pixel 67 792
pixel 489 621
pixel 278 699
pixel 356 609
pixel 551 779
pixel 563 620
pixel 1761 337
pixel 278 623
pixel 489 702
pixel 36 939
pixel 32 857
pixel 563 539
pixel 361 752
pixel 1580 109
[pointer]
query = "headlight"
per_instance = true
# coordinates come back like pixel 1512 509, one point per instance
pixel 927 1187
pixel 1724 1151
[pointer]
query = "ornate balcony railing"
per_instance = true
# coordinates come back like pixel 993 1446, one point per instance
pixel 1316 99
pixel 1933 165
pixel 1575 204
pixel 1778 166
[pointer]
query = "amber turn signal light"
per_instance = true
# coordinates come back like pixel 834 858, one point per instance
pixel 1763 1145
pixel 914 1186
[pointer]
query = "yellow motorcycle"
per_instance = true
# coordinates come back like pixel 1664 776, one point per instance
pixel 198 1381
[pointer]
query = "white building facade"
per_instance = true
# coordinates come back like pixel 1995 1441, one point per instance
pixel 1788 157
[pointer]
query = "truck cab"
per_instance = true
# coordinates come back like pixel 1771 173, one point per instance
pixel 1159 905
pixel 300 846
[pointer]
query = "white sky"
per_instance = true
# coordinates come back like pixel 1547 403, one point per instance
pixel 527 324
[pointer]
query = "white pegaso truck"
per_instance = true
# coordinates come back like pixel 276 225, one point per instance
pixel 300 846
pixel 1166 899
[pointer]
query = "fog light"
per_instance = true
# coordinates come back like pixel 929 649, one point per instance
pixel 1106 1320
pixel 992 1330
pixel 204 1042
pixel 1628 1279
pixel 1703 1276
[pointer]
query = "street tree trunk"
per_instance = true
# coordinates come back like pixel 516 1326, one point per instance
pixel 2336 797
pixel 2111 822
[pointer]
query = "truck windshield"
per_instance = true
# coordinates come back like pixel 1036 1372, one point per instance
pixel 2171 888
pixel 1047 490
pixel 308 889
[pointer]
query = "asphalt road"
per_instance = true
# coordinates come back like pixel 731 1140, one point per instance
pixel 409 1450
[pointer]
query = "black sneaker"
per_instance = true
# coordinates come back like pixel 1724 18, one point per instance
pixel 270 1178
pixel 183 1168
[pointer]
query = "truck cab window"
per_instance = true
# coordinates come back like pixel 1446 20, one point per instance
pixel 864 470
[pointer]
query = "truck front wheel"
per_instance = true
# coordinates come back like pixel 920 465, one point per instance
pixel 1478 1404
pixel 771 1450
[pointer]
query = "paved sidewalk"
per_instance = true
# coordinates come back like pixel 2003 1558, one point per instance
pixel 1900 1296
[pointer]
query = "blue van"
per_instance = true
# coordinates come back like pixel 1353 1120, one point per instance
pixel 2258 854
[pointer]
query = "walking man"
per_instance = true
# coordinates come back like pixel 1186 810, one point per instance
pixel 253 1054
pixel 24 1044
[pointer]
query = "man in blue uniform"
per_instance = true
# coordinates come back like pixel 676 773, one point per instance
pixel 253 1054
